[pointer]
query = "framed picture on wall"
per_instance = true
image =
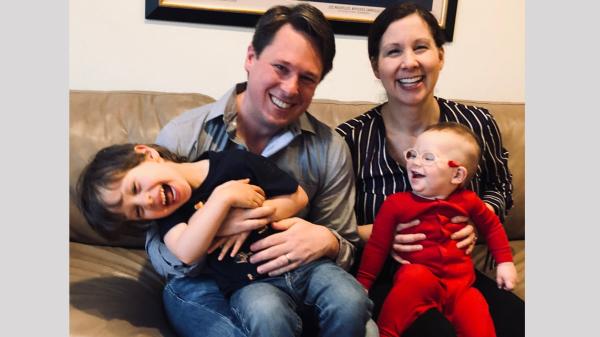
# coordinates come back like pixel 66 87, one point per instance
pixel 351 17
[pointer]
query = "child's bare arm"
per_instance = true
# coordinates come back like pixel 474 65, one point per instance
pixel 284 207
pixel 287 205
pixel 190 242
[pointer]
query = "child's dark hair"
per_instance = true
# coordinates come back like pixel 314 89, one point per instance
pixel 107 168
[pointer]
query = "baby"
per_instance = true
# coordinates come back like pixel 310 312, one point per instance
pixel 444 158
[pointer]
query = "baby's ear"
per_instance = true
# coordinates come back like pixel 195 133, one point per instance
pixel 460 175
pixel 148 151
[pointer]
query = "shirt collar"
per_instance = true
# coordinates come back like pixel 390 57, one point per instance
pixel 226 109
pixel 226 106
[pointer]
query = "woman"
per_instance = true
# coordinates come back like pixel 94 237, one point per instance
pixel 405 47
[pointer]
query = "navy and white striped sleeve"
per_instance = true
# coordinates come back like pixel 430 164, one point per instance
pixel 493 181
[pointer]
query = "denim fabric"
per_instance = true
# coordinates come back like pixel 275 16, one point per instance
pixel 270 307
pixel 196 308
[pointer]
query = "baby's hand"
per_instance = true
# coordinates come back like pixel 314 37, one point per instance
pixel 506 275
pixel 240 193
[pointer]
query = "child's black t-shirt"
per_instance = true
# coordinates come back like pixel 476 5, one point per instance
pixel 233 273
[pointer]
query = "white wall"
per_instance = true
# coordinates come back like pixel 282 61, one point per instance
pixel 113 47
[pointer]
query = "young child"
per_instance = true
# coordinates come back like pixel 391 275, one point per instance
pixel 127 184
pixel 444 158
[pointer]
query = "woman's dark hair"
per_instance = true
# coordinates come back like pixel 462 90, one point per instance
pixel 394 13
pixel 303 18
pixel 108 167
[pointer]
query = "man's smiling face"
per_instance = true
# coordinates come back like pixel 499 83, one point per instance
pixel 281 80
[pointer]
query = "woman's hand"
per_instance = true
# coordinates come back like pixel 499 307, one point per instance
pixel 404 242
pixel 466 237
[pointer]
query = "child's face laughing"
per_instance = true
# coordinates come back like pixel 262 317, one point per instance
pixel 151 190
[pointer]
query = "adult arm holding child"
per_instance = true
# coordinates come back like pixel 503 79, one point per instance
pixel 327 230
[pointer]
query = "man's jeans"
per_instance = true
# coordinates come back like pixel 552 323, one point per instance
pixel 196 307
pixel 269 307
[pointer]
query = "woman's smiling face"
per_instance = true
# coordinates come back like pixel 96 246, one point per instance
pixel 409 62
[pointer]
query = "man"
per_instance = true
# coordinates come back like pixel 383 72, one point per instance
pixel 291 51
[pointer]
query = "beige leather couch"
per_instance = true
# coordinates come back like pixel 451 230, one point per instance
pixel 113 289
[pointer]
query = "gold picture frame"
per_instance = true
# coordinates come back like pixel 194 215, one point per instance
pixel 351 17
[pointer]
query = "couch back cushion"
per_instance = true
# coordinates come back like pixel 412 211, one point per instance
pixel 511 121
pixel 101 118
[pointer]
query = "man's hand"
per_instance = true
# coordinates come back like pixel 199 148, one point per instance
pixel 466 237
pixel 240 220
pixel 300 242
pixel 404 242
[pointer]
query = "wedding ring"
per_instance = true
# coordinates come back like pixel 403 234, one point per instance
pixel 288 258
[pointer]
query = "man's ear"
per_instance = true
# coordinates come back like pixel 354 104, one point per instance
pixel 460 175
pixel 149 152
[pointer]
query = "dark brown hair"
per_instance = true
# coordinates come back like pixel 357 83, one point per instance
pixel 106 168
pixel 303 18
pixel 394 13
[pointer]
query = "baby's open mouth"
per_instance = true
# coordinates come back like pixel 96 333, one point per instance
pixel 416 175
pixel 167 194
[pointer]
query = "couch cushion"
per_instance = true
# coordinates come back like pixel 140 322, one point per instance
pixel 482 263
pixel 114 292
pixel 98 119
